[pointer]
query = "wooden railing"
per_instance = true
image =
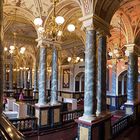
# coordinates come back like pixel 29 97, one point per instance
pixel 25 124
pixel 8 130
pixel 69 116
pixel 120 125
pixel 30 101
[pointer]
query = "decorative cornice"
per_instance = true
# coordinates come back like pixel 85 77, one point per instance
pixel 130 47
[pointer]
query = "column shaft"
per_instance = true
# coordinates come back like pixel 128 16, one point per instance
pixel 101 81
pixel 35 78
pixel 90 74
pixel 21 78
pixel 132 77
pixel 25 79
pixel 42 76
pixel 18 78
pixel 30 78
pixel 4 77
pixel 54 80
pixel 11 76
pixel 114 76
pixel 1 56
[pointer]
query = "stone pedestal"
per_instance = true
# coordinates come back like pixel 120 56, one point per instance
pixel 42 113
pixel 99 129
pixel 133 108
pixel 35 94
pixel 55 115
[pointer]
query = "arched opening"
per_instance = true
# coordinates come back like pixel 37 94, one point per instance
pixel 79 82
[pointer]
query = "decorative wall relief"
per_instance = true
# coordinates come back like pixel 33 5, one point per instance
pixel 66 78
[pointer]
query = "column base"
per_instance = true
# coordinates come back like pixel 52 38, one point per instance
pixel 132 108
pixel 55 114
pixel 89 119
pixel 100 128
pixel 42 113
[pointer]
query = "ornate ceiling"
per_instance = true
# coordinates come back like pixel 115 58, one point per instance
pixel 71 10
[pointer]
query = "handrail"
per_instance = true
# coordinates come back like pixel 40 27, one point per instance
pixel 69 116
pixel 24 124
pixel 10 129
pixel 120 125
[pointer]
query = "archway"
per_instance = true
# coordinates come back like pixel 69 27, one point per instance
pixel 79 82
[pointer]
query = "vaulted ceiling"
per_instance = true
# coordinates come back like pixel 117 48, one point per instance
pixel 20 14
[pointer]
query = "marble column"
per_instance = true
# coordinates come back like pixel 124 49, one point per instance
pixel 101 74
pixel 42 76
pixel 1 57
pixel 25 79
pixel 114 77
pixel 18 78
pixel 30 80
pixel 4 77
pixel 35 78
pixel 54 78
pixel 90 77
pixel 132 75
pixel 21 78
pixel 11 76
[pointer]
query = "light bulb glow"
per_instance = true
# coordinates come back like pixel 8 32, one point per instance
pixel 38 21
pixel 59 20
pixel 81 60
pixel 59 33
pixel 69 59
pixel 12 47
pixel 5 49
pixel 71 28
pixel 41 30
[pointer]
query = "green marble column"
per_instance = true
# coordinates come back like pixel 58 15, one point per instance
pixel 18 78
pixel 101 74
pixel 25 79
pixel 11 76
pixel 54 78
pixel 90 77
pixel 132 77
pixel 30 80
pixel 35 78
pixel 4 77
pixel 42 76
pixel 21 78
pixel 1 56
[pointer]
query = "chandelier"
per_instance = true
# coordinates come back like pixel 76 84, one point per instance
pixel 118 52
pixel 13 49
pixel 54 27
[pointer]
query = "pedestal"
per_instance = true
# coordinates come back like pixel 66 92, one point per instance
pixel 55 111
pixel 35 94
pixel 21 108
pixel 133 108
pixel 42 113
pixel 10 102
pixel 99 129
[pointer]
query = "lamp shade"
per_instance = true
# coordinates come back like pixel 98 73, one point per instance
pixel 59 20
pixel 71 28
pixel 38 21
pixel 12 47
pixel 69 59
pixel 5 49
pixel 59 33
pixel 41 30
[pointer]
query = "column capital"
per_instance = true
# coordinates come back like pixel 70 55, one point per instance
pixel 91 22
pixel 130 47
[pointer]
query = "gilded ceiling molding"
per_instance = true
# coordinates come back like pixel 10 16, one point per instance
pixel 94 22
pixel 21 39
pixel 20 12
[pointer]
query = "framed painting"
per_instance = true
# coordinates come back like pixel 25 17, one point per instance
pixel 66 78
